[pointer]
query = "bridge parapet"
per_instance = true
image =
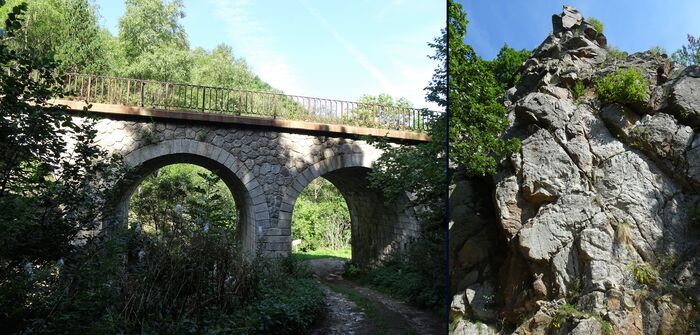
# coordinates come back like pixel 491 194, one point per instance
pixel 181 97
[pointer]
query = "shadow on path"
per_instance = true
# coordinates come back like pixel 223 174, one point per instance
pixel 358 310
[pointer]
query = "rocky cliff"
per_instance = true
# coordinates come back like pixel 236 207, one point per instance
pixel 593 227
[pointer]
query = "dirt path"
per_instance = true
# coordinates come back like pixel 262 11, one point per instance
pixel 358 310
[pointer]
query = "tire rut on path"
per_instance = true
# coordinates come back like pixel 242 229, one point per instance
pixel 386 315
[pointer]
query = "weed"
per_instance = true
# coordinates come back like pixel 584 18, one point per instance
pixel 616 53
pixel 657 51
pixel 147 135
pixel 623 234
pixel 579 89
pixel 644 273
pixel 596 24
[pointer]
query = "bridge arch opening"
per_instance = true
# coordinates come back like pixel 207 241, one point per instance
pixel 251 209
pixel 377 227
pixel 180 198
pixel 321 220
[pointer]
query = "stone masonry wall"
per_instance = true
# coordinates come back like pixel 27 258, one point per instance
pixel 266 170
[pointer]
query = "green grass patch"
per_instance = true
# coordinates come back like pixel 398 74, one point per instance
pixel 344 253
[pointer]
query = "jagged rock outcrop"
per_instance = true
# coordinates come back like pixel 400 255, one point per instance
pixel 599 210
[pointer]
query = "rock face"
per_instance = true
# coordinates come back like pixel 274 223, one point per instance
pixel 598 212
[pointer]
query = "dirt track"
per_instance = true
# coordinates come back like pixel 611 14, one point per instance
pixel 379 314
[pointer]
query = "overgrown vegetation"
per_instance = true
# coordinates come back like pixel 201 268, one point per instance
pixel 182 193
pixel 625 86
pixel 321 218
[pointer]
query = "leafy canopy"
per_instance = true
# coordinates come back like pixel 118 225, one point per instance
pixel 688 54
pixel 477 118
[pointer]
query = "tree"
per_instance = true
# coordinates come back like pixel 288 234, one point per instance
pixel 477 118
pixel 321 218
pixel 688 54
pixel 220 68
pixel 381 110
pixel 506 65
pixel 150 24
pixel 54 180
pixel 66 31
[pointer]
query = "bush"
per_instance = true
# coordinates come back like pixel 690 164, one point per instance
pixel 579 89
pixel 625 86
pixel 192 283
pixel 596 24
pixel 616 53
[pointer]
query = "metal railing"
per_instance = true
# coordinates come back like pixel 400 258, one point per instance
pixel 207 99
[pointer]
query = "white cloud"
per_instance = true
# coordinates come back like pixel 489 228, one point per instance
pixel 256 44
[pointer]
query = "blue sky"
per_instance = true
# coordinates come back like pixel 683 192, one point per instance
pixel 331 49
pixel 630 25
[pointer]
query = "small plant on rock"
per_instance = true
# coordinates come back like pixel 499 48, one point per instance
pixel 625 86
pixel 616 53
pixel 579 89
pixel 645 273
pixel 596 24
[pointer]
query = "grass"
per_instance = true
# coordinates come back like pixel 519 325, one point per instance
pixel 344 253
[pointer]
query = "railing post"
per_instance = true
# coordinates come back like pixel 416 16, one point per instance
pixel 142 94
pixel 274 113
pixel 204 97
pixel 89 87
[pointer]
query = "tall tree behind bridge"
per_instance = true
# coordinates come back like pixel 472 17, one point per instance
pixel 65 31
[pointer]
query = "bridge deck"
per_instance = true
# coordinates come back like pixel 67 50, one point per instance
pixel 314 127
pixel 179 101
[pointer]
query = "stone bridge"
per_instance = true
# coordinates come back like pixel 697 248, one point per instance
pixel 266 164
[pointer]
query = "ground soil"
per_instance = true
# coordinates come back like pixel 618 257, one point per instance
pixel 381 315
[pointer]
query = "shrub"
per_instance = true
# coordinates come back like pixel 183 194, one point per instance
pixel 616 53
pixel 644 273
pixel 579 89
pixel 625 86
pixel 596 24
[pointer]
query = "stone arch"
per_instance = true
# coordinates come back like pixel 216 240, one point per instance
pixel 246 191
pixel 377 228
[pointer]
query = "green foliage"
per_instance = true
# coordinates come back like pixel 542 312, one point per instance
pixel 149 25
pixel 657 50
pixel 625 86
pixel 616 53
pixel 506 65
pixel 688 54
pixel 596 24
pixel 644 273
pixel 579 89
pixel 477 118
pixel 66 31
pixel 321 218
pixel 567 311
pixel 190 283
pixel 180 194
pixel 380 110
pixel 48 195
